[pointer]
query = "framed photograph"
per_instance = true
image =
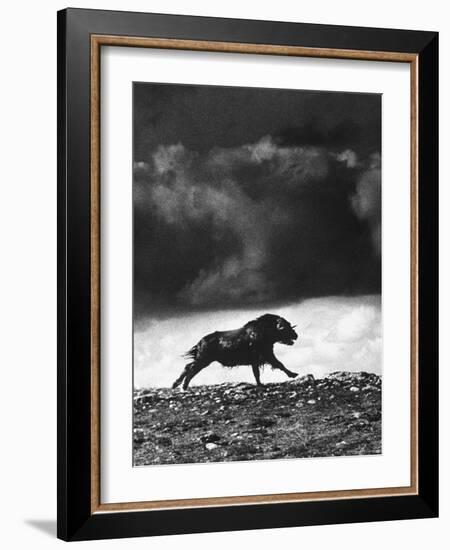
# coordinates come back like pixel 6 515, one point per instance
pixel 247 252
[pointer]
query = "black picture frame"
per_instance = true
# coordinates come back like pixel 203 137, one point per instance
pixel 76 519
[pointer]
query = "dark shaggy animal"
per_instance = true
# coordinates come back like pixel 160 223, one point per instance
pixel 251 344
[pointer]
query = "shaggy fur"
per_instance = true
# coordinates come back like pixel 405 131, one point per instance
pixel 251 344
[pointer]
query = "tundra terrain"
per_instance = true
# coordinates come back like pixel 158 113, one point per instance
pixel 338 415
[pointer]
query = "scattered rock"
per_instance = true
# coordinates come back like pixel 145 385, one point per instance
pixel 306 380
pixel 210 437
pixel 264 422
pixel 138 435
pixel 246 422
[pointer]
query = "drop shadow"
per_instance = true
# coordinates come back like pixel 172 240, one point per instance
pixel 47 526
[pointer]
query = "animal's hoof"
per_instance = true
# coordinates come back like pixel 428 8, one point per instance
pixel 293 375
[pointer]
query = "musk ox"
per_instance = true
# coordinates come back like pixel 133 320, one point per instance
pixel 251 344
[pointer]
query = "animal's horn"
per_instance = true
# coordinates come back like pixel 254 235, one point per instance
pixel 293 326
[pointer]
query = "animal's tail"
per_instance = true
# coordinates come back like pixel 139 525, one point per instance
pixel 192 353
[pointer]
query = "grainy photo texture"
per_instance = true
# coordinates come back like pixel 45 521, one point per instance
pixel 257 274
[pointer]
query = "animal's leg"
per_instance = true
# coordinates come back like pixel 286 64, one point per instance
pixel 255 369
pixel 192 370
pixel 279 365
pixel 182 375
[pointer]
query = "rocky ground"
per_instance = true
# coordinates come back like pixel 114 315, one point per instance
pixel 336 415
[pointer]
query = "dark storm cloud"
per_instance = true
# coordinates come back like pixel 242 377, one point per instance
pixel 225 217
pixel 314 133
pixel 201 117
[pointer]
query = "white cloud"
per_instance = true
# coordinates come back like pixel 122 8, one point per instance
pixel 349 157
pixel 356 324
pixel 366 201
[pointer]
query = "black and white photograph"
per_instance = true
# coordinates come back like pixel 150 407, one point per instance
pixel 225 297
pixel 256 273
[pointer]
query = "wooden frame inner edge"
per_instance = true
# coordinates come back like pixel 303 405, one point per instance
pixel 110 40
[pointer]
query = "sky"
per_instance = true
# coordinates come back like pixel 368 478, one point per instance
pixel 337 333
pixel 249 201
